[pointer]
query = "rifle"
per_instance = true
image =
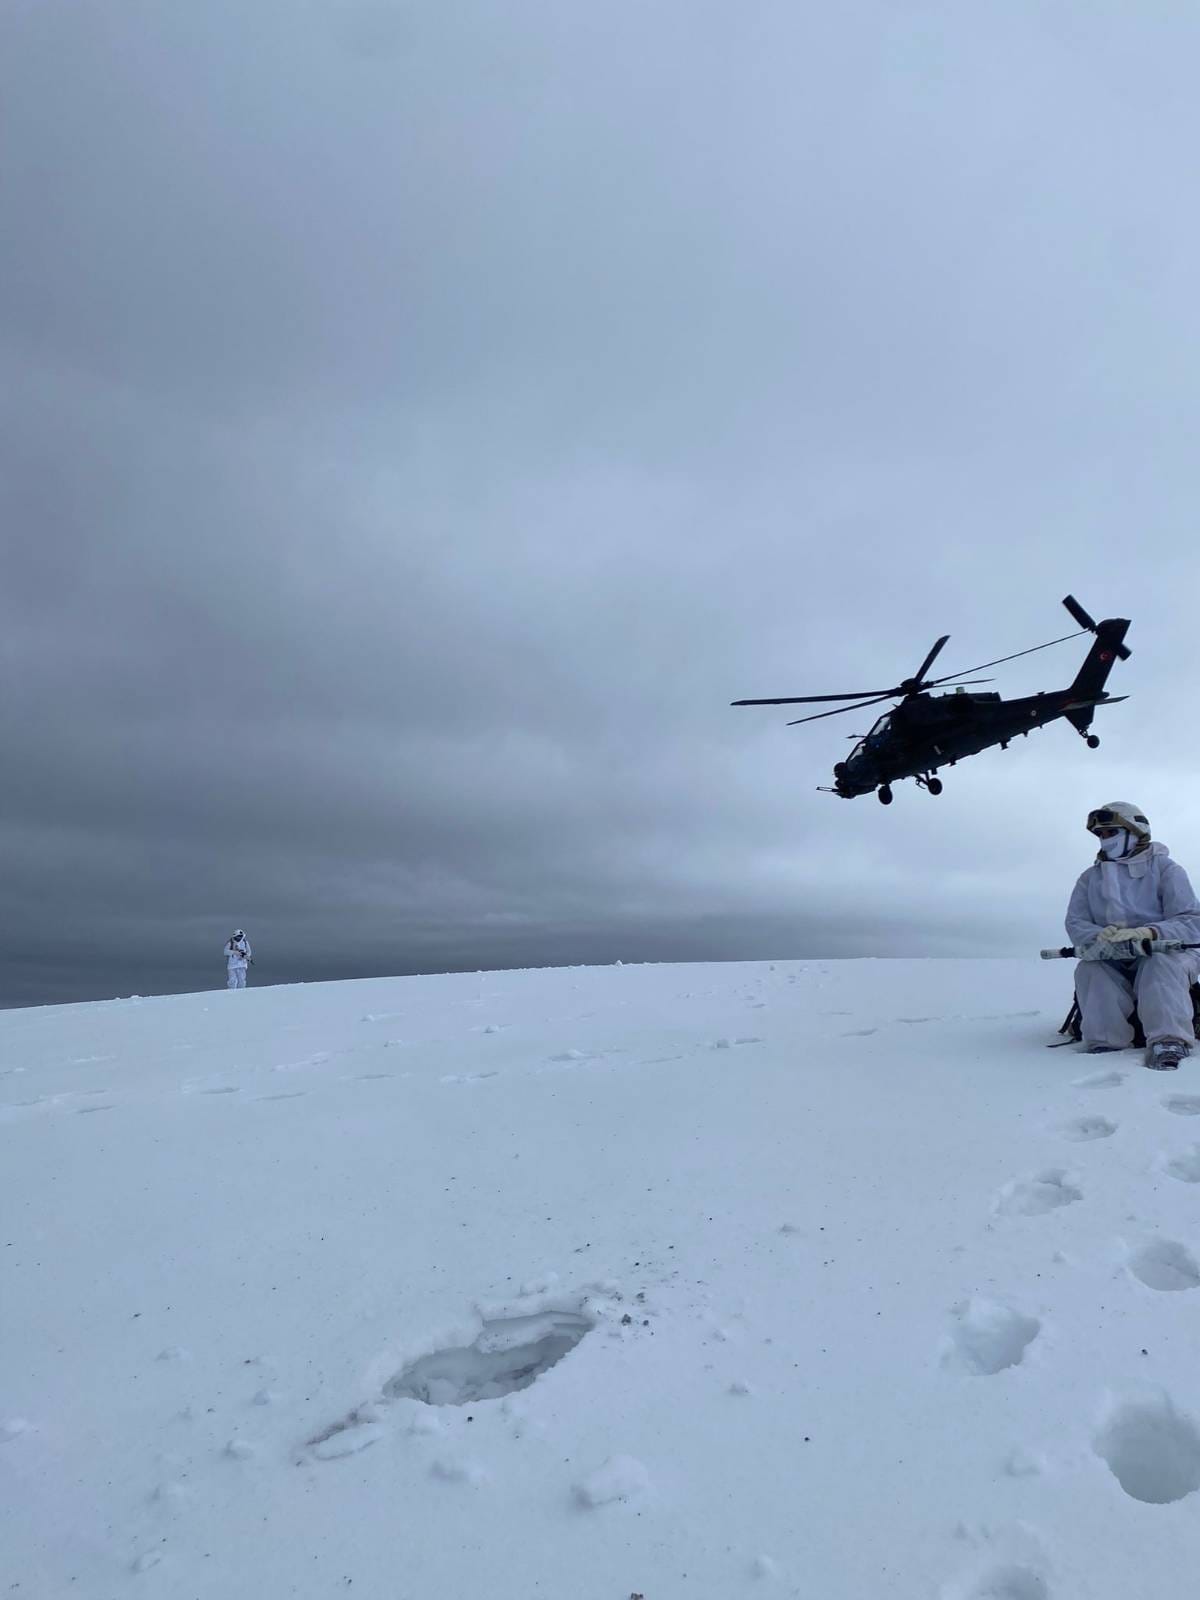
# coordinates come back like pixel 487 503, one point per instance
pixel 1149 947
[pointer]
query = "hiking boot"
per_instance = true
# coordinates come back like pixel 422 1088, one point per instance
pixel 1102 1049
pixel 1164 1055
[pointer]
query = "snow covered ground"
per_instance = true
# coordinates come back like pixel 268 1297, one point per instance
pixel 816 1279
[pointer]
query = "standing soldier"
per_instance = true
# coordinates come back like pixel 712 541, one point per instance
pixel 237 959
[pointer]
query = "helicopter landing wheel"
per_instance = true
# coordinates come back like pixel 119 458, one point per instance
pixel 885 794
pixel 934 785
pixel 1093 743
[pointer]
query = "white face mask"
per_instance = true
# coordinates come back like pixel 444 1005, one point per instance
pixel 1115 847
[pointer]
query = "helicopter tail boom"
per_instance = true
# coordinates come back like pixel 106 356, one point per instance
pixel 1088 686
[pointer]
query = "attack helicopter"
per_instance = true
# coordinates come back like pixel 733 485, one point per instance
pixel 926 732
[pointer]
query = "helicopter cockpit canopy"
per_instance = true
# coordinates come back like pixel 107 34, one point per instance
pixel 875 738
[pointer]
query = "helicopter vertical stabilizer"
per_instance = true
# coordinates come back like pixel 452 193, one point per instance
pixel 1093 674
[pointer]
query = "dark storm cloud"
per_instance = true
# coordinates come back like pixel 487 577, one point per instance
pixel 419 424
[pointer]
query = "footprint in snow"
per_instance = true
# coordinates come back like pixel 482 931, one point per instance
pixel 1033 1197
pixel 566 1061
pixel 621 1478
pixel 860 1033
pixel 318 1060
pixel 84 1111
pixel 1001 1583
pixel 1166 1265
pixel 373 1077
pixel 1151 1449
pixel 1080 1129
pixel 509 1354
pixel 19 1110
pixel 1185 1167
pixel 284 1094
pixel 1183 1105
pixel 1099 1080
pixel 987 1338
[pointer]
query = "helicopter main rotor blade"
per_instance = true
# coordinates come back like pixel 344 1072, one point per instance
pixel 839 710
pixel 919 675
pixel 961 684
pixel 1000 660
pixel 812 699
pixel 869 699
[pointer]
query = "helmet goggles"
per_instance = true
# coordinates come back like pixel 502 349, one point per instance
pixel 1107 820
pixel 1104 822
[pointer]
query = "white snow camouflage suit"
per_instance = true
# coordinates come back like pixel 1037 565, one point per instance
pixel 237 959
pixel 1146 888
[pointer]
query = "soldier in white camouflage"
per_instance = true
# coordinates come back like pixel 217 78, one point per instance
pixel 1133 895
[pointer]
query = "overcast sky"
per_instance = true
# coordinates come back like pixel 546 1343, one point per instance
pixel 419 421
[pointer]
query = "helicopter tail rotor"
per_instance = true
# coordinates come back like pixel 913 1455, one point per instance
pixel 1084 621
